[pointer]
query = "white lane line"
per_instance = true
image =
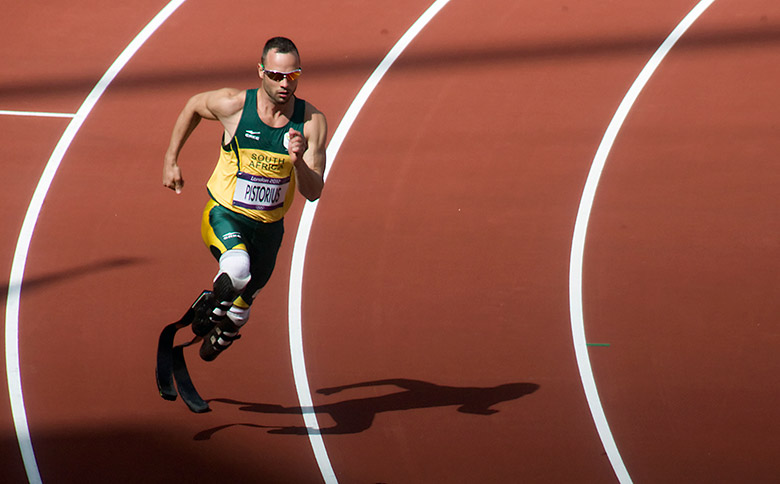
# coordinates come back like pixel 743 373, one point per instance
pixel 581 228
pixel 5 112
pixel 26 233
pixel 302 241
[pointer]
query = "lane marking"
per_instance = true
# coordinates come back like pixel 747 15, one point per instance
pixel 302 241
pixel 580 231
pixel 25 237
pixel 5 112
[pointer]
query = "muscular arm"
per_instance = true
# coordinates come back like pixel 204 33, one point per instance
pixel 307 152
pixel 224 105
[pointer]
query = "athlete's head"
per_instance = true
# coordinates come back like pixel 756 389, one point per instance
pixel 282 45
pixel 279 69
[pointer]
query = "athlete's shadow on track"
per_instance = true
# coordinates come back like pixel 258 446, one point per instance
pixel 353 416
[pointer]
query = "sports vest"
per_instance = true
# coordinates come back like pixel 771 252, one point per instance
pixel 254 175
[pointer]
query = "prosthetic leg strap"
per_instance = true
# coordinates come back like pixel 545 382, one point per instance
pixel 217 340
pixel 214 305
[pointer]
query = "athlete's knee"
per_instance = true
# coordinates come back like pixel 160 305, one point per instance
pixel 235 263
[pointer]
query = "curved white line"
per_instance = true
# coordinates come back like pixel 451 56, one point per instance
pixel 28 227
pixel 302 241
pixel 580 230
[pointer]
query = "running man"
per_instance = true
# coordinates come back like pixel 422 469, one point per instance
pixel 273 145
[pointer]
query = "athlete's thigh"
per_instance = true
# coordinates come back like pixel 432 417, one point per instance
pixel 221 230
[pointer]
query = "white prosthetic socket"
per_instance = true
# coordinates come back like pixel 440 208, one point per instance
pixel 235 263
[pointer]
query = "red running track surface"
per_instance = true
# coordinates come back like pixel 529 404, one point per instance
pixel 435 302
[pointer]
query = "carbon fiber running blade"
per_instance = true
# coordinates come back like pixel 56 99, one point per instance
pixel 183 382
pixel 164 369
pixel 163 372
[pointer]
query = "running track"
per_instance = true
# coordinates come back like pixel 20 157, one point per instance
pixel 436 284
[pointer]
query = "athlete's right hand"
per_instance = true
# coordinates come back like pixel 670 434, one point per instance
pixel 172 177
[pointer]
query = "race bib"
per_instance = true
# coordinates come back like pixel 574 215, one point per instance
pixel 260 193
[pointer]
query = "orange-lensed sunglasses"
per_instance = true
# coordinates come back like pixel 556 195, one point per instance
pixel 277 76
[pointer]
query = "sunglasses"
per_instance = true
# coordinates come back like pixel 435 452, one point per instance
pixel 277 76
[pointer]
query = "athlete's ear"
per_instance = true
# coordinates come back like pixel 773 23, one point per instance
pixel 260 70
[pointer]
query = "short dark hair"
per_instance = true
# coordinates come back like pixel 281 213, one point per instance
pixel 282 45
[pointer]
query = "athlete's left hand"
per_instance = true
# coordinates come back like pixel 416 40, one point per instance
pixel 297 146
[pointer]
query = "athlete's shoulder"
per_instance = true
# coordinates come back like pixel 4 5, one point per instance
pixel 315 126
pixel 312 115
pixel 311 109
pixel 226 101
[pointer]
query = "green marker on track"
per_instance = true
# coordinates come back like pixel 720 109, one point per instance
pixel 596 344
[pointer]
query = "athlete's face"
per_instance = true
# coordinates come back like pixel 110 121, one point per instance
pixel 280 91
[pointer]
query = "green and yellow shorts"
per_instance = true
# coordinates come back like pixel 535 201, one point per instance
pixel 223 230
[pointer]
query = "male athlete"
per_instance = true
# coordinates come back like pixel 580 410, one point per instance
pixel 273 144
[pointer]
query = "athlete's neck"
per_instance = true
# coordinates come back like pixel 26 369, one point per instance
pixel 273 113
